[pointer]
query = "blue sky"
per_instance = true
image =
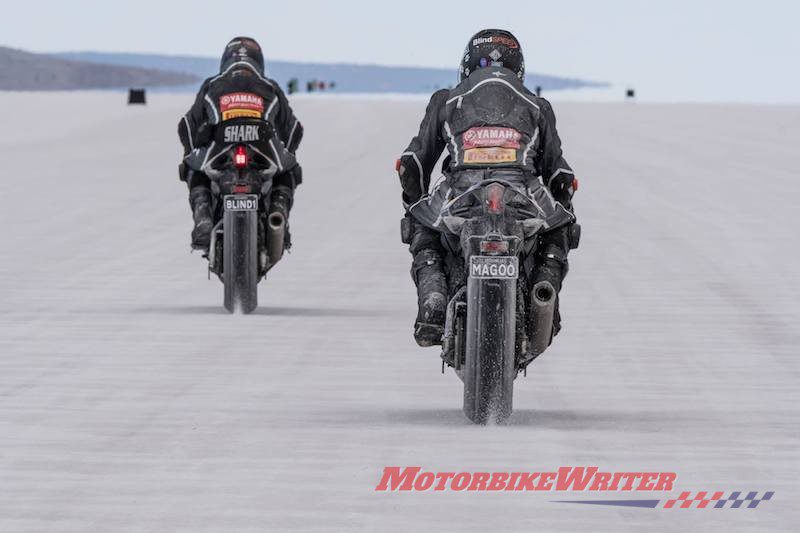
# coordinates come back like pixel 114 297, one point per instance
pixel 708 50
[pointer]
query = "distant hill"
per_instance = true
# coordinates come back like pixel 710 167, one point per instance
pixel 25 71
pixel 349 78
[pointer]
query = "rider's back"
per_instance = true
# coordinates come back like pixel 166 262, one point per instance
pixel 490 120
pixel 240 93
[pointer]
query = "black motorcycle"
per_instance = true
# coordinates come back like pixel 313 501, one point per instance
pixel 240 165
pixel 498 321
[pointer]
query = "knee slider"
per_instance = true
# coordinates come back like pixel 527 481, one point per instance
pixel 555 253
pixel 425 258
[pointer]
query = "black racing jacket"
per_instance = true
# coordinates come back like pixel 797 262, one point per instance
pixel 240 92
pixel 490 120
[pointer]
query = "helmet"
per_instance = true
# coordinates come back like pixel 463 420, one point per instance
pixel 242 49
pixel 492 48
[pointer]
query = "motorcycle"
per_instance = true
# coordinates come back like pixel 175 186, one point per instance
pixel 497 320
pixel 241 171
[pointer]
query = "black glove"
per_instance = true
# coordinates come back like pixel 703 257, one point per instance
pixel 563 188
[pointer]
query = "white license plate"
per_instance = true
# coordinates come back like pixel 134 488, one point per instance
pixel 493 267
pixel 241 202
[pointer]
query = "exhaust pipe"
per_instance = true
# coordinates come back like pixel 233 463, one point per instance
pixel 276 229
pixel 543 307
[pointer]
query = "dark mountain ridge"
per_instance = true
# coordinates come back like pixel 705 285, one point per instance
pixel 26 71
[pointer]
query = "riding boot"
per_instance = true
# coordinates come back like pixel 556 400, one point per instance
pixel 431 284
pixel 200 201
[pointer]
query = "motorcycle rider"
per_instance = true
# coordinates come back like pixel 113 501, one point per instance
pixel 488 121
pixel 239 90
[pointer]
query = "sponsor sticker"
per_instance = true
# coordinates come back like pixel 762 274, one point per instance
pixel 489 156
pixel 490 136
pixel 238 105
pixel 241 133
pixel 496 39
pixel 240 113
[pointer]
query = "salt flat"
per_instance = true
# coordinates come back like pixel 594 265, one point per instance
pixel 129 401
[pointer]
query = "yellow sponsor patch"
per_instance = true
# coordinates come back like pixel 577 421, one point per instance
pixel 239 113
pixel 488 156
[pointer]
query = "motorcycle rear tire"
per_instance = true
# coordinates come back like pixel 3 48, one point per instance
pixel 490 368
pixel 240 261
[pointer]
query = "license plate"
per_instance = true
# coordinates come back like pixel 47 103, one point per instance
pixel 493 267
pixel 241 202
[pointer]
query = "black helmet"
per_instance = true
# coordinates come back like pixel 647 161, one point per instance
pixel 492 48
pixel 242 49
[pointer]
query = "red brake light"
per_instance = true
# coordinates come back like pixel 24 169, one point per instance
pixel 494 198
pixel 240 157
pixel 494 247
